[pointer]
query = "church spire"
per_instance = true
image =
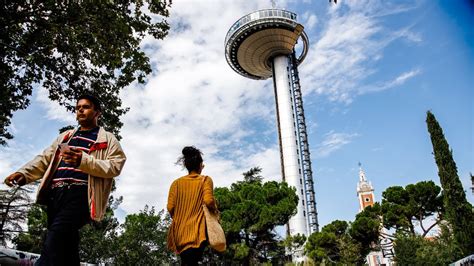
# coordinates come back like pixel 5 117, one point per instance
pixel 361 174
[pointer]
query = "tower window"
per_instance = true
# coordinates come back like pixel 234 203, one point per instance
pixel 367 199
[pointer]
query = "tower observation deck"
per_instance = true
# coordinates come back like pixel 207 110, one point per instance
pixel 261 45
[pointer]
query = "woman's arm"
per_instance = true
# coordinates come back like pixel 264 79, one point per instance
pixel 209 199
pixel 172 199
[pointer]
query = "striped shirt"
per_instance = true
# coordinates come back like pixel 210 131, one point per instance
pixel 82 140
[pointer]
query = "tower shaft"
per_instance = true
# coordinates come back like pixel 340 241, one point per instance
pixel 294 151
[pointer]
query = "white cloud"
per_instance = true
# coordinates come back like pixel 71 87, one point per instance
pixel 15 155
pixel 194 98
pixel 309 20
pixel 399 80
pixel 332 142
pixel 410 35
pixel 404 77
pixel 54 111
pixel 340 61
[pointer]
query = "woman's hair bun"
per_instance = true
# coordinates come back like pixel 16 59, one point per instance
pixel 190 151
pixel 191 159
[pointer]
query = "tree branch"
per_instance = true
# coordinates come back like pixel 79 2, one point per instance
pixel 421 223
pixel 431 227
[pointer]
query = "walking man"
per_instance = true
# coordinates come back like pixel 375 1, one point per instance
pixel 77 172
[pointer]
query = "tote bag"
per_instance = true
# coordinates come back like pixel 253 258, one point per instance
pixel 215 233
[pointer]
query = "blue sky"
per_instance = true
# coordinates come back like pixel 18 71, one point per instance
pixel 372 72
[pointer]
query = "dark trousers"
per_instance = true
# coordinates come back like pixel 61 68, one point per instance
pixel 192 256
pixel 67 212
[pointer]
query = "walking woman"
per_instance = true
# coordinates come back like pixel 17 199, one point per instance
pixel 187 233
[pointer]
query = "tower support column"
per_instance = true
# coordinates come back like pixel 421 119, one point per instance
pixel 286 119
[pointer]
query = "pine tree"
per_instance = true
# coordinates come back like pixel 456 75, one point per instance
pixel 14 205
pixel 458 210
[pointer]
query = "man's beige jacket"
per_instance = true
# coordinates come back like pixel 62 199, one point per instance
pixel 104 162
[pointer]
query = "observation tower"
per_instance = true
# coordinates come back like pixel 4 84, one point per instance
pixel 261 45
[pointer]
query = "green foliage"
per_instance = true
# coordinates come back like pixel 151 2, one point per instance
pixel 294 243
pixel 335 245
pixel 322 247
pixel 253 174
pixel 66 128
pixel 250 211
pixel 70 47
pixel 241 251
pixel 458 210
pixel 14 204
pixel 406 246
pixel 32 239
pixel 343 243
pixel 98 239
pixel 350 251
pixel 472 181
pixel 365 229
pixel 403 207
pixel 143 241
pixel 337 227
pixel 418 250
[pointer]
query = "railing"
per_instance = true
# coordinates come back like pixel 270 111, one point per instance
pixel 307 172
pixel 265 13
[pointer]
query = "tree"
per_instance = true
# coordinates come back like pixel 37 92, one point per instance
pixel 418 250
pixel 250 211
pixel 98 238
pixel 322 247
pixel 334 244
pixel 253 175
pixel 403 208
pixel 14 204
pixel 37 223
pixel 143 241
pixel 472 181
pixel 406 246
pixel 366 229
pixel 458 211
pixel 294 243
pixel 72 47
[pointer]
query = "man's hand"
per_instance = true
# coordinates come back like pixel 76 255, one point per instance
pixel 15 179
pixel 73 157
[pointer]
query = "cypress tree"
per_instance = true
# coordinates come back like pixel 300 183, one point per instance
pixel 458 211
pixel 472 180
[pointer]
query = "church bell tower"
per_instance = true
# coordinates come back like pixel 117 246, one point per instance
pixel 365 191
